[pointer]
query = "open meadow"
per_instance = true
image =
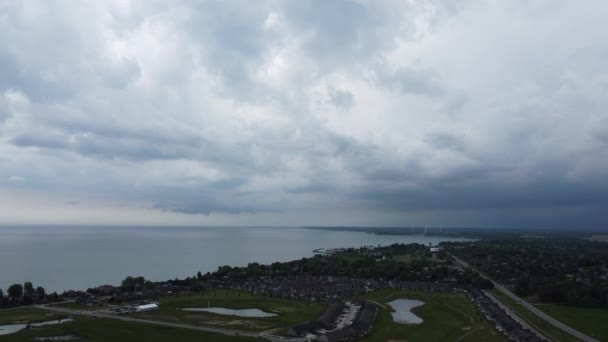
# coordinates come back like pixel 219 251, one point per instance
pixel 110 330
pixel 288 312
pixel 547 329
pixel 591 321
pixel 446 317
pixel 26 315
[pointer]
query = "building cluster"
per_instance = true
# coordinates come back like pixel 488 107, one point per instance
pixel 108 294
pixel 504 323
pixel 341 321
pixel 328 288
pixel 310 289
pixel 135 307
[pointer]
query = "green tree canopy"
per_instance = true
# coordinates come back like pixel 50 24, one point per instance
pixel 15 291
pixel 40 292
pixel 28 288
pixel 131 283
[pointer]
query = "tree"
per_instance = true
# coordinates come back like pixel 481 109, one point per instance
pixel 253 269
pixel 523 287
pixel 28 288
pixel 53 297
pixel 41 293
pixel 130 283
pixel 15 291
pixel 140 281
pixel 482 283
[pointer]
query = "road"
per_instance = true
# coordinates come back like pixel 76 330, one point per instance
pixel 228 332
pixel 529 306
pixel 515 316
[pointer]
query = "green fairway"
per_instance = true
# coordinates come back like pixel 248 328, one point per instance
pixel 590 321
pixel 549 330
pixel 447 317
pixel 109 330
pixel 288 312
pixel 26 315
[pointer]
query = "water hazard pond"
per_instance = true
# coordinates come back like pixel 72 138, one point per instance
pixel 13 328
pixel 403 311
pixel 255 313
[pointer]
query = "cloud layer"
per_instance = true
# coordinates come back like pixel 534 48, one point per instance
pixel 305 112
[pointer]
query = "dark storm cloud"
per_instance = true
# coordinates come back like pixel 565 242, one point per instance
pixel 485 195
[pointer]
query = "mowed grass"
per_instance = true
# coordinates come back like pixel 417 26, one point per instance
pixel 80 306
pixel 591 321
pixel 549 330
pixel 289 312
pixel 109 330
pixel 26 315
pixel 446 317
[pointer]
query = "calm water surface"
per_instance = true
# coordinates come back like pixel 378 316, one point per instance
pixel 13 328
pixel 234 312
pixel 60 258
pixel 403 311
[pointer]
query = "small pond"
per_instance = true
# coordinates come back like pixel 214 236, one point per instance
pixel 13 328
pixel 234 312
pixel 403 313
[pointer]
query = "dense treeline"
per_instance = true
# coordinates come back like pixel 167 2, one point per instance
pixel 411 262
pixel 365 262
pixel 556 270
pixel 25 294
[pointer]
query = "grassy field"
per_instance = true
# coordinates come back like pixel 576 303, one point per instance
pixel 109 330
pixel 447 317
pixel 288 312
pixel 26 315
pixel 80 306
pixel 404 258
pixel 590 321
pixel 536 322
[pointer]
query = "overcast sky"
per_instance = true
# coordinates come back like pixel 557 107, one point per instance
pixel 451 113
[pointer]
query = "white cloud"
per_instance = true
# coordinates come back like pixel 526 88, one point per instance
pixel 396 109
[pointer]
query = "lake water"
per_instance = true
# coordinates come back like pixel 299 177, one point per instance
pixel 13 328
pixel 403 311
pixel 60 258
pixel 234 312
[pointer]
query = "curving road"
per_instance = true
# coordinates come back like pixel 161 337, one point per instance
pixel 529 306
